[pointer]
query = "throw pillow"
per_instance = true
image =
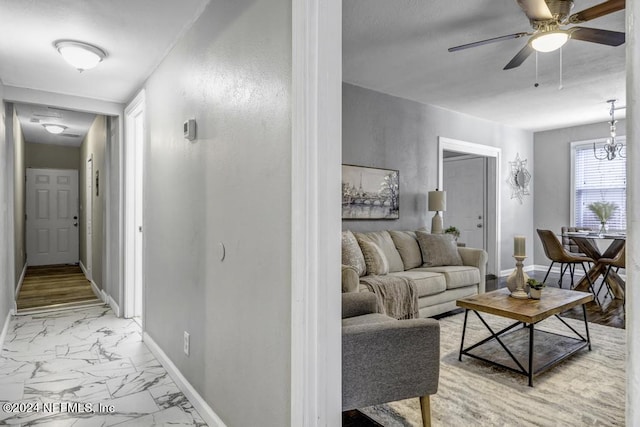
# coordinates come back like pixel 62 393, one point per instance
pixel 374 258
pixel 407 244
pixel 385 243
pixel 351 253
pixel 438 249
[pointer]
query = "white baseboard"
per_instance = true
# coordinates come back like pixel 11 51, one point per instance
pixel 205 411
pixel 556 270
pixel 97 291
pixel 21 279
pixel 114 306
pixel 526 269
pixel 5 329
pixel 85 271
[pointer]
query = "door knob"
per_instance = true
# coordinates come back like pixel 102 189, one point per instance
pixel 479 225
pixel 75 224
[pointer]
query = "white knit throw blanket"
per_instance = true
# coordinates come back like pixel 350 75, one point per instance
pixel 397 296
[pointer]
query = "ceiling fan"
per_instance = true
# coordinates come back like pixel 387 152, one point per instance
pixel 547 17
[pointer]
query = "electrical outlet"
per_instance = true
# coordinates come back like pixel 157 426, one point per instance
pixel 186 343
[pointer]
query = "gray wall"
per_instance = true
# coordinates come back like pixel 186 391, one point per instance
pixel 6 234
pixel 94 144
pixel 19 199
pixel 552 175
pixel 49 156
pixel 231 72
pixel 380 130
pixel 112 221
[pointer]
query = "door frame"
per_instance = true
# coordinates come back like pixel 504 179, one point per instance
pixel 493 227
pixel 87 266
pixel 133 259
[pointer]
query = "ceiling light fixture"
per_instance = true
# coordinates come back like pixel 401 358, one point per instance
pixel 611 149
pixel 54 129
pixel 549 41
pixel 79 55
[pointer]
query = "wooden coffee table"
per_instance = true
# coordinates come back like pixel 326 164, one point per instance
pixel 514 348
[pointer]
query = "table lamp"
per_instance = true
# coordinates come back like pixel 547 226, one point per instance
pixel 437 203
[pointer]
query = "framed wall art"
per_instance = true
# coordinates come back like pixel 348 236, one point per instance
pixel 370 193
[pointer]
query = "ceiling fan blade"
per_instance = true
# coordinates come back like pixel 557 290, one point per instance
pixel 595 35
pixel 536 10
pixel 597 11
pixel 492 40
pixel 520 57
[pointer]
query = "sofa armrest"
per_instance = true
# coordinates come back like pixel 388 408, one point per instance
pixel 350 279
pixel 358 303
pixel 476 258
pixel 389 361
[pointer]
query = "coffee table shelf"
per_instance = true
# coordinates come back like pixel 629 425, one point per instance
pixel 520 347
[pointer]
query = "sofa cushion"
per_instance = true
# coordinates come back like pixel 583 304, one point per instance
pixel 427 283
pixel 374 258
pixel 407 245
pixel 456 276
pixel 352 254
pixel 384 242
pixel 366 319
pixel 438 249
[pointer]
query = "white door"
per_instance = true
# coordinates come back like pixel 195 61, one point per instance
pixel 134 196
pixel 464 180
pixel 52 216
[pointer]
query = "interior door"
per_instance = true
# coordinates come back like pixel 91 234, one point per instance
pixel 464 179
pixel 52 216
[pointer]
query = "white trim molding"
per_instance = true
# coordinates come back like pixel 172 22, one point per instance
pixel 449 144
pixel 5 329
pixel 20 282
pixel 210 417
pixel 316 141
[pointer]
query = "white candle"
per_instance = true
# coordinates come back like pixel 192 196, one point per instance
pixel 519 246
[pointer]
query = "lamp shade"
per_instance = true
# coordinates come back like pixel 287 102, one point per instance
pixel 437 201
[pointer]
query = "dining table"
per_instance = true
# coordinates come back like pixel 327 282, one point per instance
pixel 590 244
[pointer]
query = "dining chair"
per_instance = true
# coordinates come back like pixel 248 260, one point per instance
pixel 554 250
pixel 618 262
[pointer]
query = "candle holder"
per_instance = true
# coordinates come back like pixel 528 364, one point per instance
pixel 517 279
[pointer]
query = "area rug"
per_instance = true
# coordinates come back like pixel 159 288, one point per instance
pixel 587 389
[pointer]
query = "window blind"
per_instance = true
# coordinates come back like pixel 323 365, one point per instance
pixel 599 181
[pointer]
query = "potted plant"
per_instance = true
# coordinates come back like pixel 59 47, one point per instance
pixel 603 210
pixel 535 288
pixel 453 231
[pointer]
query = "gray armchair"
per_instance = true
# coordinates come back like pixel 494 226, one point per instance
pixel 383 359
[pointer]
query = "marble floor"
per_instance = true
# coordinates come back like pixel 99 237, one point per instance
pixel 85 367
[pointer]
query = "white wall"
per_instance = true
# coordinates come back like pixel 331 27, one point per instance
pixel 552 176
pixel 380 130
pixel 232 73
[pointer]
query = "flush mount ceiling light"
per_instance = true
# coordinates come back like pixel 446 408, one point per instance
pixel 79 55
pixel 54 129
pixel 549 41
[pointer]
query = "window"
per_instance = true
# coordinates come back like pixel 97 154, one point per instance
pixel 598 181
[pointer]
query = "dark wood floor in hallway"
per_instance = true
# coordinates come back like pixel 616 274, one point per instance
pixel 53 286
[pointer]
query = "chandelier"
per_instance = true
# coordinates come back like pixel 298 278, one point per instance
pixel 611 148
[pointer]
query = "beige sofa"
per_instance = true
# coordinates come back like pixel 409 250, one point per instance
pixel 439 272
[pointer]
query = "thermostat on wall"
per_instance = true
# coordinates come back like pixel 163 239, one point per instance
pixel 189 129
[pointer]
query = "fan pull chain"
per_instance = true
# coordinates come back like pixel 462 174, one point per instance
pixel 536 83
pixel 560 87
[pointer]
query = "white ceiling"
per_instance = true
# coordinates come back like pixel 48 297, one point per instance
pixel 397 47
pixel 400 47
pixel 136 34
pixel 33 117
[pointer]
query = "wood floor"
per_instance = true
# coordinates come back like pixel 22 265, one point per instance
pixel 54 286
pixel 609 313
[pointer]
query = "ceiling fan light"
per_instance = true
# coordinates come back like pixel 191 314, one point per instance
pixel 549 41
pixel 54 129
pixel 81 56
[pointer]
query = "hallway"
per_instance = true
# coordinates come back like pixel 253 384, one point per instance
pixel 54 286
pixel 90 358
